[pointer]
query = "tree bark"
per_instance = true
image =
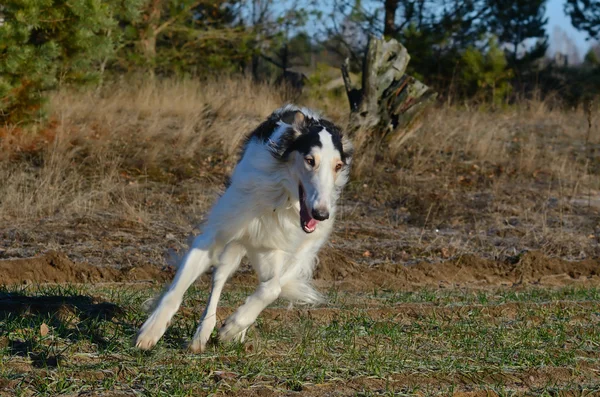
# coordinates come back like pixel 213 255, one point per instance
pixel 389 27
pixel 390 102
pixel 149 32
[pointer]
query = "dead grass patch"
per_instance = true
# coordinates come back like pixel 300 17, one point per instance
pixel 155 156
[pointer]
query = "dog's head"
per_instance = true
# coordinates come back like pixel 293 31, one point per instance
pixel 318 157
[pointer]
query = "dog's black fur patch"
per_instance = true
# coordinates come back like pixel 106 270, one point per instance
pixel 298 137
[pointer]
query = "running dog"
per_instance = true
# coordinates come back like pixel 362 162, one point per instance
pixel 278 210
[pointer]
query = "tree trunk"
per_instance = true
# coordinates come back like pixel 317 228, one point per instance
pixel 148 33
pixel 389 27
pixel 390 102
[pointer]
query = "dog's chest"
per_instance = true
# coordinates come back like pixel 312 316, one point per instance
pixel 280 229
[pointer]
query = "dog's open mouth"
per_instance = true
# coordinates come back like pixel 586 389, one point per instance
pixel 307 222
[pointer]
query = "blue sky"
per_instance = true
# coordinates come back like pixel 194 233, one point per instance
pixel 557 17
pixel 554 12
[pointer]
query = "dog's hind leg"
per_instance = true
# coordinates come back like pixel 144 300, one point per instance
pixel 197 261
pixel 267 292
pixel 228 263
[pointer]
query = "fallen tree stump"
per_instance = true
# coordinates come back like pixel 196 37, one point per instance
pixel 389 102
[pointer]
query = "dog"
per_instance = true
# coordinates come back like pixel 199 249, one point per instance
pixel 278 210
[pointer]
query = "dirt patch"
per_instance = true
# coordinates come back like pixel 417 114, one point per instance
pixel 468 270
pixel 408 313
pixel 55 267
pixel 334 267
pixel 456 385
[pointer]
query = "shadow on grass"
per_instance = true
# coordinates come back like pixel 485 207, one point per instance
pixel 72 317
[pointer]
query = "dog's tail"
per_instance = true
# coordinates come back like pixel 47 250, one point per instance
pixel 301 292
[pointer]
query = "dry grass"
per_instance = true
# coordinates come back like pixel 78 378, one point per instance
pixel 157 154
pixel 99 142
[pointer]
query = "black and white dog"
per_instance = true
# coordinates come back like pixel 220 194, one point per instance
pixel 278 210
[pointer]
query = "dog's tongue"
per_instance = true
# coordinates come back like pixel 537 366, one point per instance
pixel 312 223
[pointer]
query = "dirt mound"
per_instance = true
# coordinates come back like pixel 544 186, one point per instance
pixel 535 266
pixel 55 267
pixel 334 267
pixel 468 270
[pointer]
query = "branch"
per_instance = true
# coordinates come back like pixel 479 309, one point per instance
pixel 213 34
pixel 354 95
pixel 171 20
pixel 274 62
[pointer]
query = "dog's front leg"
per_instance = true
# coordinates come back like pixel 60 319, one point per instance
pixel 267 292
pixel 228 263
pixel 196 262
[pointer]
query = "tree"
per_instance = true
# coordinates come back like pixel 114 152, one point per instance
pixel 47 42
pixel 585 15
pixel 486 73
pixel 278 39
pixel 389 102
pixel 516 21
pixel 348 28
pixel 389 22
pixel 434 32
pixel 592 58
pixel 183 37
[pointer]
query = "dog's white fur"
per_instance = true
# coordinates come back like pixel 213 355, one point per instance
pixel 258 216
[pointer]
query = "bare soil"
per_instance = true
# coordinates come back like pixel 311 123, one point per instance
pixel 56 267
pixel 335 269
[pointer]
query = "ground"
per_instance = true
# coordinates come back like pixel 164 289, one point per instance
pixel 464 261
pixel 76 340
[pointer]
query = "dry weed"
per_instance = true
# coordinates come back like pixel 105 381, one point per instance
pixel 469 180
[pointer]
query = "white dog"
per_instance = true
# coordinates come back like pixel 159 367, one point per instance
pixel 278 210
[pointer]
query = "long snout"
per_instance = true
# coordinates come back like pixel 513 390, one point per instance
pixel 320 214
pixel 321 195
pixel 320 204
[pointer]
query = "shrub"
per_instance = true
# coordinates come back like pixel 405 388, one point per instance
pixel 44 43
pixel 485 73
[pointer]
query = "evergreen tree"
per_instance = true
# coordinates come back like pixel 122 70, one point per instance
pixel 485 73
pixel 436 33
pixel 591 58
pixel 516 21
pixel 184 36
pixel 585 15
pixel 47 42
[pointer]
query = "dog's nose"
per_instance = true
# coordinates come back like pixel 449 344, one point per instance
pixel 320 214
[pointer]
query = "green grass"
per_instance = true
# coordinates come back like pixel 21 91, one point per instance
pixel 430 342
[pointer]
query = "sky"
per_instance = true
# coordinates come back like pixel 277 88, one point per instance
pixel 556 17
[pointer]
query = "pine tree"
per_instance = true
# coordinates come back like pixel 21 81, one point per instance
pixel 485 73
pixel 44 43
pixel 591 58
pixel 183 37
pixel 516 21
pixel 585 15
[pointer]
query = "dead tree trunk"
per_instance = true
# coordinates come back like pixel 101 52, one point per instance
pixel 390 102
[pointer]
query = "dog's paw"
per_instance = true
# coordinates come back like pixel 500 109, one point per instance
pixel 232 331
pixel 149 335
pixel 202 336
pixel 196 346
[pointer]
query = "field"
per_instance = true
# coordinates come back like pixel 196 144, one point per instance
pixel 465 260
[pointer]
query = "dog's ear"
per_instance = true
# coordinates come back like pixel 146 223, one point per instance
pixel 294 118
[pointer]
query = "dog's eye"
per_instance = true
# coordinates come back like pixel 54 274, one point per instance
pixel 310 161
pixel 338 167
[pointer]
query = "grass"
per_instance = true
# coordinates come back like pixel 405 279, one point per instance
pixel 429 342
